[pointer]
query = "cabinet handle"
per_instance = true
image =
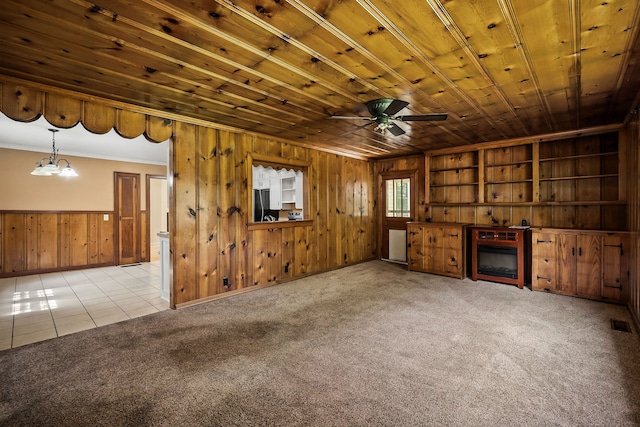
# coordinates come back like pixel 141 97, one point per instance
pixel 573 251
pixel 544 241
pixel 544 278
pixel 579 251
pixel 453 235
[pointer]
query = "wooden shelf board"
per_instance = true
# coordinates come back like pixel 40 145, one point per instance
pixel 566 178
pixel 454 169
pixel 578 156
pixel 572 203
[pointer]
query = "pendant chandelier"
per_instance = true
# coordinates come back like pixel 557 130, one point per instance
pixel 51 165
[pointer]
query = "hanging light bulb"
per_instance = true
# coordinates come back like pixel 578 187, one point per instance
pixel 50 165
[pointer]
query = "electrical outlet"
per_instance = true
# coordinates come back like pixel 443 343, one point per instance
pixel 286 268
pixel 225 281
pixel 105 217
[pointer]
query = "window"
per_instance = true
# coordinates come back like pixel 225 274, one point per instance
pixel 278 189
pixel 398 192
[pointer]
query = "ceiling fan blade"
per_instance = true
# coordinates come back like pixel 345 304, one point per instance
pixel 356 129
pixel 395 130
pixel 421 117
pixel 395 106
pixel 352 117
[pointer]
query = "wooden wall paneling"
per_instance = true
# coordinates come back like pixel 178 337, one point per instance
pixel 98 118
pixel 541 216
pixel 485 215
pixel 21 103
pixel 358 210
pixel 183 213
pixel 438 214
pixel 323 211
pixel 62 111
pixel 78 231
pixel 312 235
pixel 372 212
pixel 614 217
pixel 467 215
pixel 158 129
pixel 244 265
pixel 227 210
pixel 93 237
pixel 208 280
pixel 130 124
pixel 519 213
pixel 349 189
pixel 563 216
pixel 301 251
pixel 501 216
pixel 64 225
pixel 274 256
pixel 452 214
pixel 31 241
pixel 334 226
pixel 107 239
pixel 15 259
pixel 260 249
pixel 287 252
pixel 588 217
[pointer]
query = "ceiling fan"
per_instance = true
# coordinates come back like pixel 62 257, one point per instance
pixel 382 113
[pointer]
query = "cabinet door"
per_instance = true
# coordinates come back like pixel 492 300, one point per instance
pixel 543 261
pixel 415 249
pixel 275 194
pixel 436 250
pixel 452 238
pixel 614 271
pixel 566 259
pixel 589 268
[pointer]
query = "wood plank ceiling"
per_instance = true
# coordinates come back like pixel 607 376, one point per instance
pixel 500 68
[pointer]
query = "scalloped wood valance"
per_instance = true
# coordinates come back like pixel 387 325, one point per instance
pixel 25 104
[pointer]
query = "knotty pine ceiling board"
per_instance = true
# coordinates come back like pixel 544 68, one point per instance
pixel 499 68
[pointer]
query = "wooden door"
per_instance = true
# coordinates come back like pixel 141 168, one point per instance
pixel 415 247
pixel 589 277
pixel 613 271
pixel 543 261
pixel 398 195
pixel 436 249
pixel 127 199
pixel 567 252
pixel 452 254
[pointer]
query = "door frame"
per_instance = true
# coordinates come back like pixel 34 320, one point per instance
pixel 147 207
pixel 413 175
pixel 116 213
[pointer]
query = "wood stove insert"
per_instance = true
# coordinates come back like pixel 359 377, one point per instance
pixel 499 254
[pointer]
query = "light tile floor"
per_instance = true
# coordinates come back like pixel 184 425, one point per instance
pixel 43 306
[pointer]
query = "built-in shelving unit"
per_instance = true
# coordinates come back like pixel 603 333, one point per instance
pixel 573 182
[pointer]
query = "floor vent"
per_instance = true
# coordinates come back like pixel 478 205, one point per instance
pixel 129 265
pixel 620 325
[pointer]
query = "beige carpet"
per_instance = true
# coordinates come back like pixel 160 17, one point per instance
pixel 370 344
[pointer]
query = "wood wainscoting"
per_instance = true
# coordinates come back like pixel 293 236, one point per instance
pixel 39 242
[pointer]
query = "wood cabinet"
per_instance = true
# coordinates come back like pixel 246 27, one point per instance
pixel 588 264
pixel 437 248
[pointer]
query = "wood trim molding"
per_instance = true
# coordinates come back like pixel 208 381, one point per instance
pixel 596 130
